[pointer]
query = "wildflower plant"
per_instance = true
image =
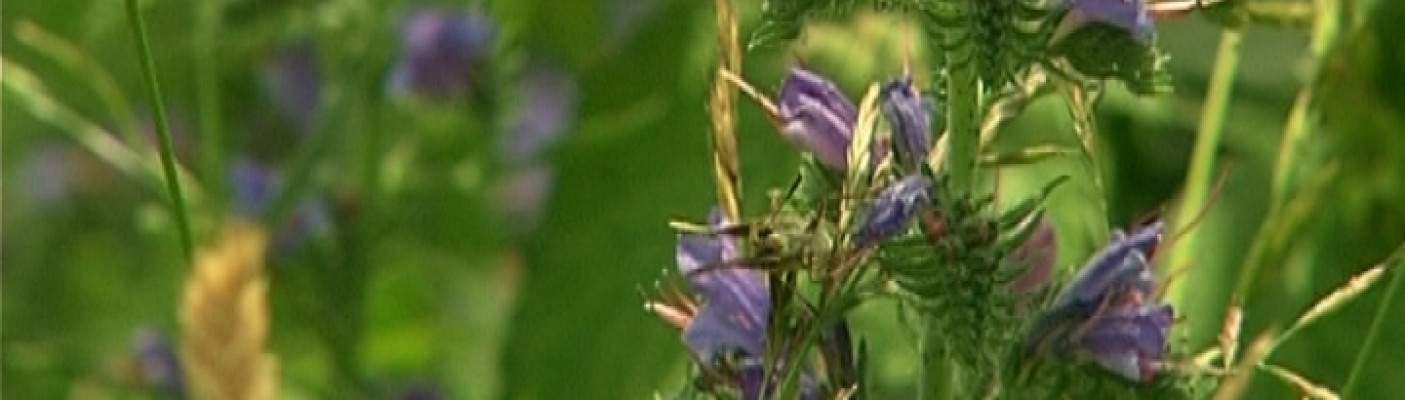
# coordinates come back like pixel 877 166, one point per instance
pixel 393 199
pixel 886 204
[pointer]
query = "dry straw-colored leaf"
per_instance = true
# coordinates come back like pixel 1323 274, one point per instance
pixel 224 320
pixel 1344 294
pixel 1304 386
pixel 1234 384
pixel 858 153
pixel 1229 334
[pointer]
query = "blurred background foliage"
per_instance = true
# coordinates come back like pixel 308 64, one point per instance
pixel 495 243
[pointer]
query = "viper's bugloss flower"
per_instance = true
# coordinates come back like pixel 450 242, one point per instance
pixel 292 77
pixel 546 107
pixel 255 188
pixel 1129 15
pixel 892 210
pixel 157 365
pixel 1109 311
pixel 1129 339
pixel 735 302
pixel 816 116
pixel 1112 267
pixel 910 117
pixel 522 194
pixel 443 53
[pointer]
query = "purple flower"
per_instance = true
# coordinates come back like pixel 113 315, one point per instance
pixel 1109 312
pixel 1129 339
pixel 911 120
pixel 293 79
pixel 625 18
pixel 816 116
pixel 522 194
pixel 547 105
pixel 735 305
pixel 1114 265
pixel 50 175
pixel 442 53
pixel 892 210
pixel 1129 15
pixel 157 364
pixel 255 188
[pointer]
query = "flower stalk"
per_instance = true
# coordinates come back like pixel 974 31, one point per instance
pixel 168 158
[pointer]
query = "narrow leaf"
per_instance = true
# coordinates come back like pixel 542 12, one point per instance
pixel 1304 386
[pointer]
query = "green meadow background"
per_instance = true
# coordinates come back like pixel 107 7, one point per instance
pixel 431 279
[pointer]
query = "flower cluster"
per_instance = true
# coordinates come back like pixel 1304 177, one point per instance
pixel 736 308
pixel 1109 311
pixel 443 53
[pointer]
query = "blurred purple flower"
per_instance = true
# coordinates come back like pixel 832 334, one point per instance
pixel 625 17
pixel 546 107
pixel 816 116
pixel 736 304
pixel 292 77
pixel 443 53
pixel 910 117
pixel 49 176
pixel 255 188
pixel 157 364
pixel 1129 15
pixel 1109 311
pixel 522 195
pixel 892 210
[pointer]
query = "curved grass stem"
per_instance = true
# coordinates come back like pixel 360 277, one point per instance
pixel 1368 345
pixel 168 161
pixel 1207 143
pixel 207 90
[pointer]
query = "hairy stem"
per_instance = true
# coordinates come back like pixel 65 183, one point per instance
pixel 938 367
pixel 963 124
pixel 168 161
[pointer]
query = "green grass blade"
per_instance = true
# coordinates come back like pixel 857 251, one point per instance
pixel 168 160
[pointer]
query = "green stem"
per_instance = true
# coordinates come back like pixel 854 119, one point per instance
pixel 207 89
pixel 1369 345
pixel 938 368
pixel 1080 108
pixel 963 128
pixel 1207 143
pixel 1295 133
pixel 168 161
